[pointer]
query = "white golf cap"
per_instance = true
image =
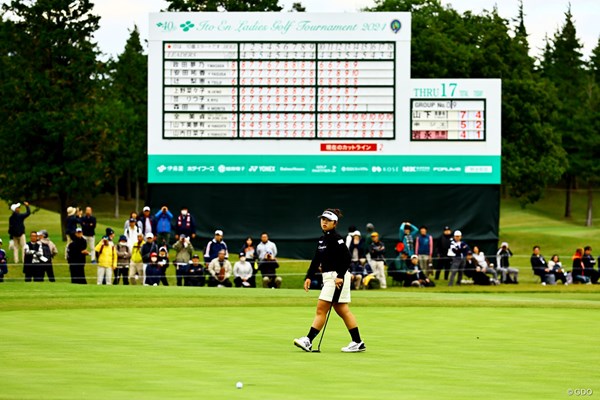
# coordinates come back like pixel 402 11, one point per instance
pixel 457 233
pixel 504 244
pixel 329 215
pixel 219 232
pixel 356 233
pixel 146 208
pixel 15 206
pixel 149 235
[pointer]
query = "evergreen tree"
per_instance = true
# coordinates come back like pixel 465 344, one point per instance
pixel 564 67
pixel 129 85
pixel 49 73
pixel 224 5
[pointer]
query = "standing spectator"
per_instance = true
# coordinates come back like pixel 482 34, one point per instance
pixel 580 272
pixel 443 260
pixel 486 268
pixel 50 251
pixel 458 251
pixel 214 247
pixel 184 251
pixel 132 216
pixel 408 232
pixel 132 231
pixel 88 226
pixel 71 223
pixel 350 235
pixel 556 266
pixel 541 268
pixel 76 252
pixel 243 275
pixel 265 246
pixel 358 259
pixel 136 266
pixel 16 230
pixel 163 264
pixel 509 274
pixel 377 252
pixel 123 261
pixel 3 263
pixel 220 271
pixel 147 221
pixel 185 224
pixel 370 228
pixel 34 255
pixel 106 256
pixel 195 273
pixel 163 226
pixel 424 249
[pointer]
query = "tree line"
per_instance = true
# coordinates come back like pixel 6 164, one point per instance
pixel 74 125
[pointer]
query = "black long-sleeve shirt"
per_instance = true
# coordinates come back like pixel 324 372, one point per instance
pixel 331 255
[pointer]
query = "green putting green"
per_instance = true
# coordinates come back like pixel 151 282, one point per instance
pixel 63 341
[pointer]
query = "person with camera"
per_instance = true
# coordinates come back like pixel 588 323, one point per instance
pixel 106 256
pixel 458 251
pixel 184 252
pixel 163 226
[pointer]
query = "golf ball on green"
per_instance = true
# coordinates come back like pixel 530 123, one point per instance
pixel 239 385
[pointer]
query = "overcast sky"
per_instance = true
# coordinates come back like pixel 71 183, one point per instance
pixel 542 17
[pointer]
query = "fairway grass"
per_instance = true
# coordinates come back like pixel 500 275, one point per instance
pixel 63 341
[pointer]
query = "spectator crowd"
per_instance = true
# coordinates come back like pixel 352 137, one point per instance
pixel 140 255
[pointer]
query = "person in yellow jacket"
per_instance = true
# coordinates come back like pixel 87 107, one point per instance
pixel 136 264
pixel 106 256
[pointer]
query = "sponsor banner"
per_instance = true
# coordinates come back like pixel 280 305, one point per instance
pixel 424 169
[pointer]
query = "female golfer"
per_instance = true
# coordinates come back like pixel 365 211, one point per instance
pixel 332 258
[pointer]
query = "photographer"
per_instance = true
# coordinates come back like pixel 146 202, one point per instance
pixel 458 251
pixel 184 251
pixel 163 226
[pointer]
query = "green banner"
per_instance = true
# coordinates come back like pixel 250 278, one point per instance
pixel 321 169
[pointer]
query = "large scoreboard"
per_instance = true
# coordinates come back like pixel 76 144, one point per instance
pixel 309 98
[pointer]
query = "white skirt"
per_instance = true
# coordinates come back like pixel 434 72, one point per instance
pixel 329 290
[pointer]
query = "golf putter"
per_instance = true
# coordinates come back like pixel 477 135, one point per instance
pixel 318 350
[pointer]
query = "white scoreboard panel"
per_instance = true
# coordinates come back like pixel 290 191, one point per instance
pixel 309 98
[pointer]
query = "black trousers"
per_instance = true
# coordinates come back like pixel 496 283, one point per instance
pixel 77 273
pixel 443 264
pixel 47 269
pixel 121 272
pixel 163 276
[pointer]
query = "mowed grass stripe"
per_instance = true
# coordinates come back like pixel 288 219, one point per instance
pixel 413 353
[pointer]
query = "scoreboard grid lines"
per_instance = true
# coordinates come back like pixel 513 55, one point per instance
pixel 236 131
pixel 469 132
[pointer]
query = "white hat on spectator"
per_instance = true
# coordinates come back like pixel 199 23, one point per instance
pixel 457 233
pixel 356 233
pixel 146 208
pixel 71 211
pixel 504 244
pixel 219 232
pixel 15 206
pixel 149 235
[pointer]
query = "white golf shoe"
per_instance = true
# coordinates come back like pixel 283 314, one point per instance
pixel 354 347
pixel 304 343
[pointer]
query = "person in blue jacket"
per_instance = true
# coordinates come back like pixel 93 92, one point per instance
pixel 408 232
pixel 163 226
